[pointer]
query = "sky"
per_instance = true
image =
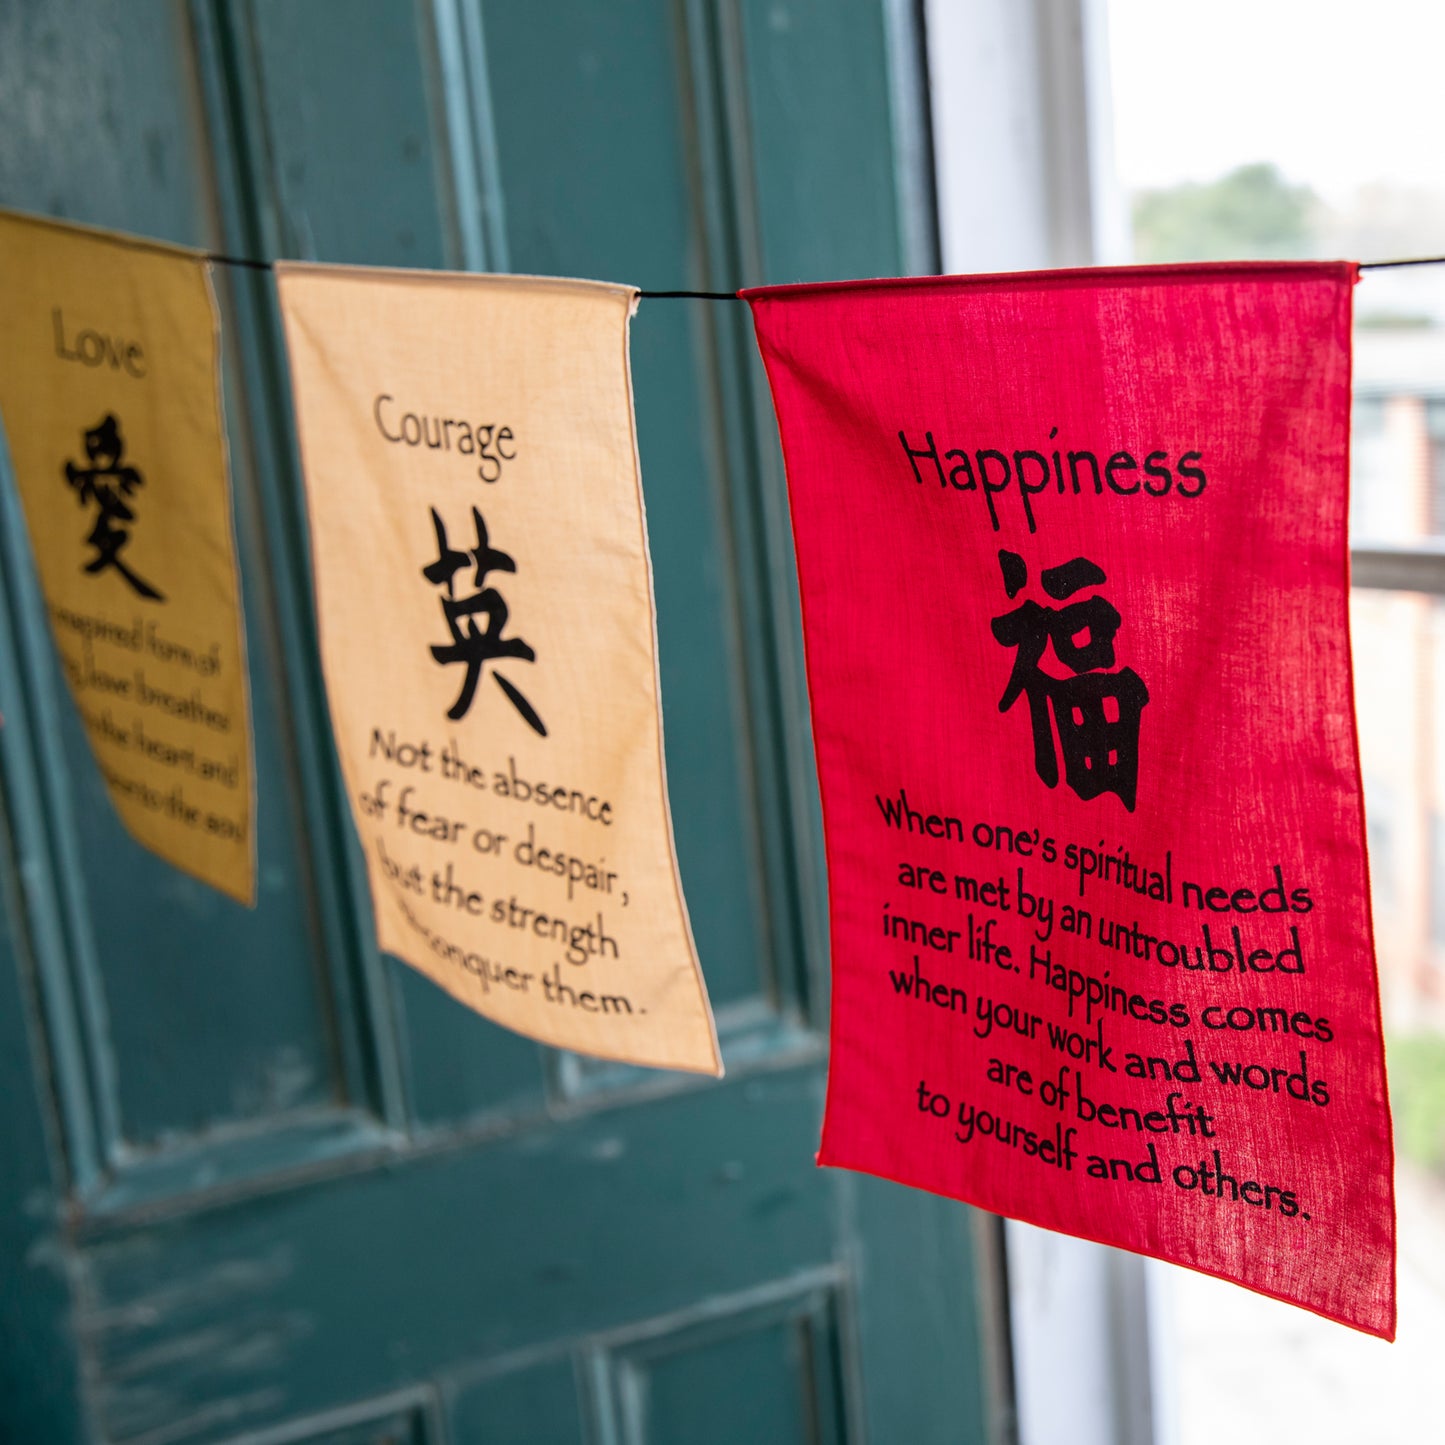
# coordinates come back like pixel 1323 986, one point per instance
pixel 1337 94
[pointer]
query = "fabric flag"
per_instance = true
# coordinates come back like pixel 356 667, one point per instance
pixel 110 395
pixel 1074 578
pixel 484 597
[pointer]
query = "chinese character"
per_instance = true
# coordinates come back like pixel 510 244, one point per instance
pixel 470 645
pixel 108 484
pixel 1096 712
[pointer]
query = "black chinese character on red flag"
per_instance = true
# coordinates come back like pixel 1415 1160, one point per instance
pixel 1096 712
pixel 472 646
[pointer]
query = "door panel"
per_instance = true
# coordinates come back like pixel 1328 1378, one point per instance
pixel 596 179
pixel 39 1364
pixel 186 1013
pixel 368 1280
pixel 294 1192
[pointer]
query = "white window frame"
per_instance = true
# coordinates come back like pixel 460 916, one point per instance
pixel 1024 176
pixel 1020 100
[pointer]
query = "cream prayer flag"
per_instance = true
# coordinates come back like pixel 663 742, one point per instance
pixel 110 394
pixel 484 598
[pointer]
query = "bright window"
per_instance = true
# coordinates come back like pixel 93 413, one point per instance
pixel 1300 128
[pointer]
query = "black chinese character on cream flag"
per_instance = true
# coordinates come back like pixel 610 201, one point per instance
pixel 108 485
pixel 1096 712
pixel 471 646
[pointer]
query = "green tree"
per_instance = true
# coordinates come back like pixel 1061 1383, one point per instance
pixel 1252 212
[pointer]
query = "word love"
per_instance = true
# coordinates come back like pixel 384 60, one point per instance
pixel 94 348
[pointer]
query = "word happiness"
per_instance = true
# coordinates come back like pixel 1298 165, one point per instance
pixel 991 473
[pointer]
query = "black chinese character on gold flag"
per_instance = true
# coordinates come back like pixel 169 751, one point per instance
pixel 108 484
pixel 1096 712
pixel 471 646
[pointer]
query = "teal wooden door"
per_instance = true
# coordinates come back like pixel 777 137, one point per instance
pixel 261 1183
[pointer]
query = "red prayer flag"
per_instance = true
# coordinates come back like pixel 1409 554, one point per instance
pixel 1074 576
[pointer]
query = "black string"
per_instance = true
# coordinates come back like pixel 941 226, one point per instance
pixel 1413 261
pixel 689 295
pixel 220 260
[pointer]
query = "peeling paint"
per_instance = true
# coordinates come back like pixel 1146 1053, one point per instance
pixel 224 1283
pixel 204 1421
pixel 280 1081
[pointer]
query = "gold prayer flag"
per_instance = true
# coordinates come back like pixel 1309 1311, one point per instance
pixel 484 598
pixel 110 394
